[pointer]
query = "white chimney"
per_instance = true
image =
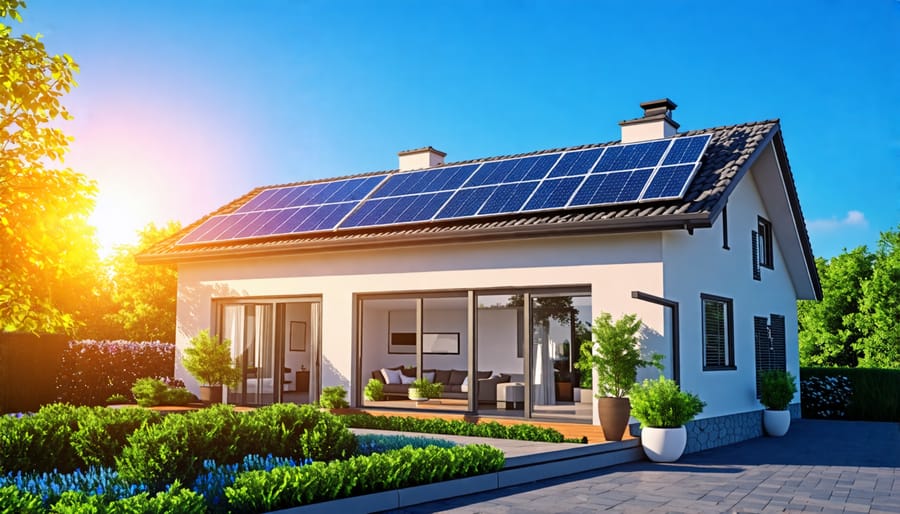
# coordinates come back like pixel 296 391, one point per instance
pixel 656 123
pixel 420 158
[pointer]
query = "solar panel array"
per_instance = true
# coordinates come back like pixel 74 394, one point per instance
pixel 617 174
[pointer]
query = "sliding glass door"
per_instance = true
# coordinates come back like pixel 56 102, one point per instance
pixel 276 347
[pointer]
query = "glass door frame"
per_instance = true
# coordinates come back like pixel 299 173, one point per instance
pixel 278 304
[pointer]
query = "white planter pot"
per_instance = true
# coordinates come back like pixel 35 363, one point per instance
pixel 583 395
pixel 663 444
pixel 776 422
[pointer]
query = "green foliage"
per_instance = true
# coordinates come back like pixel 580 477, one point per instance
pixel 14 501
pixel 827 333
pixel 858 320
pixel 117 399
pixel 92 371
pixel 175 499
pixel 158 454
pixel 62 437
pixel 426 388
pixel 209 360
pixel 299 432
pixel 879 308
pixel 260 491
pixel 149 392
pixel 40 442
pixel 144 294
pixel 334 397
pixel 777 389
pixel 103 432
pixel 662 404
pixel 49 251
pixel 615 355
pixel 875 392
pixel 522 432
pixel 374 390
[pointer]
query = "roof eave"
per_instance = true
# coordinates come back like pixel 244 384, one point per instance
pixel 688 221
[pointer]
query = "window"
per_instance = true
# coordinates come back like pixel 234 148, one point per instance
pixel 769 336
pixel 718 332
pixel 764 233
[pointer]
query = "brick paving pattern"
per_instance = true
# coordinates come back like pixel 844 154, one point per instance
pixel 819 466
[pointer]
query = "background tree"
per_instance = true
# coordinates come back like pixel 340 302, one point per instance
pixel 857 323
pixel 879 309
pixel 828 333
pixel 44 234
pixel 144 295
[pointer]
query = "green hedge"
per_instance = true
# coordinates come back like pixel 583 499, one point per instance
pixel 262 491
pixel 875 396
pixel 521 432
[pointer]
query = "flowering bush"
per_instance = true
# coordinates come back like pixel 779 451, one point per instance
pixel 92 371
pixel 825 397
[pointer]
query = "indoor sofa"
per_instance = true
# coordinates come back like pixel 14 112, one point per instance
pixel 397 380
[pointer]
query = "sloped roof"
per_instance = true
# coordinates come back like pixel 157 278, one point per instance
pixel 730 152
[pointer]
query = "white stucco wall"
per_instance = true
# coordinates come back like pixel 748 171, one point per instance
pixel 612 266
pixel 697 264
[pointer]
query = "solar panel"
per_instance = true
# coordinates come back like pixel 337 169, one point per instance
pixel 287 210
pixel 614 174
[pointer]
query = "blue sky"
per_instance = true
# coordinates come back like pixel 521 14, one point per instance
pixel 184 106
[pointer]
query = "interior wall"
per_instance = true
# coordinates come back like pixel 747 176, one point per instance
pixel 497 341
pixel 293 359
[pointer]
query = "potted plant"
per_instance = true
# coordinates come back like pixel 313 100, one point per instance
pixel 777 389
pixel 422 389
pixel 333 397
pixel 615 358
pixel 208 359
pixel 374 390
pixel 663 409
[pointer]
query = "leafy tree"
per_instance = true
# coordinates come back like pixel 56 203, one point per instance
pixel 879 309
pixel 828 334
pixel 857 323
pixel 44 233
pixel 145 295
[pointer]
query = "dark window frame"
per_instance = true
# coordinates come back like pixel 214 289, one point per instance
pixel 766 243
pixel 727 362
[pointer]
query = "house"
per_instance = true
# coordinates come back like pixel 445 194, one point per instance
pixel 484 274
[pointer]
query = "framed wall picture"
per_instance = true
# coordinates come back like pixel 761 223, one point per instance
pixel 298 336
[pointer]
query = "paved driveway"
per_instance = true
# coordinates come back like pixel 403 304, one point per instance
pixel 819 466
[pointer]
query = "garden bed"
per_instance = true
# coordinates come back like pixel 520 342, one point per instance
pixel 76 459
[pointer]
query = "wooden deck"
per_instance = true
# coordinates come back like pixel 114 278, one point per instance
pixel 570 430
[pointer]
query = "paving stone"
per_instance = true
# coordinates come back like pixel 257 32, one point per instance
pixel 789 473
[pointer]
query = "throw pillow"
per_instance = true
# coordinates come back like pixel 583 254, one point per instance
pixel 464 387
pixel 406 380
pixel 428 375
pixel 391 376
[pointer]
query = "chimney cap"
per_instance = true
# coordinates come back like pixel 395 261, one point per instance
pixel 655 110
pixel 656 107
pixel 424 149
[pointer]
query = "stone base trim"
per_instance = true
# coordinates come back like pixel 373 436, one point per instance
pixel 703 434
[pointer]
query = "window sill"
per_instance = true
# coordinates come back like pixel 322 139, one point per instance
pixel 719 368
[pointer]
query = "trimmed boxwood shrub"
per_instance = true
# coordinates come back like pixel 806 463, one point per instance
pixel 40 442
pixel 261 491
pixel 103 433
pixel 175 448
pixel 875 392
pixel 522 432
pixel 299 432
pixel 92 371
pixel 174 499
pixel 14 500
